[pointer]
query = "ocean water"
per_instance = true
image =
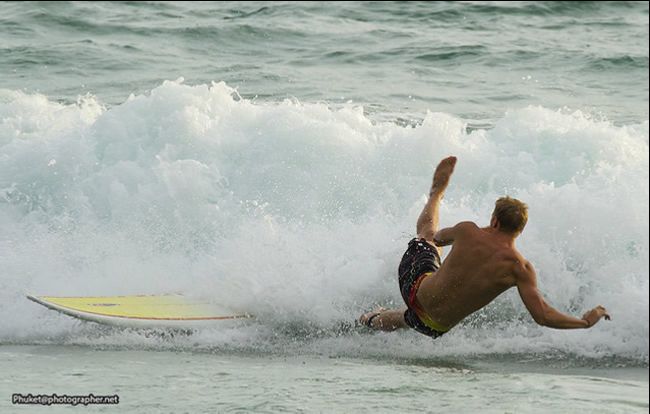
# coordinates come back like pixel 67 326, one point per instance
pixel 273 157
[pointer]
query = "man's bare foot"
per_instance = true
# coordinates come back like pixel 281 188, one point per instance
pixel 367 318
pixel 442 175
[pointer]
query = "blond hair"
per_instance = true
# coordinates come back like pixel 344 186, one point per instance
pixel 511 214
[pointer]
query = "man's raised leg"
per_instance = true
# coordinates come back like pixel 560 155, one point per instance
pixel 427 224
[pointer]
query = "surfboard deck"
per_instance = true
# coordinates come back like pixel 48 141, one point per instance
pixel 142 311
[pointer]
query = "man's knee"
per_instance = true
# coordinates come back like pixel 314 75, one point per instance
pixel 426 235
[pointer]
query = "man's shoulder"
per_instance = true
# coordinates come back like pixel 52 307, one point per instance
pixel 521 266
pixel 466 225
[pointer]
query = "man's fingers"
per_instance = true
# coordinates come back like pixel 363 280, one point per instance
pixel 603 311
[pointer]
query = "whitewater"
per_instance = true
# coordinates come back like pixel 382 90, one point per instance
pixel 298 213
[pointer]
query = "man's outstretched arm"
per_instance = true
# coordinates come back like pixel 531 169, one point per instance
pixel 543 313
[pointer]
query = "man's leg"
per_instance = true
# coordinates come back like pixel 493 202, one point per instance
pixel 385 319
pixel 427 224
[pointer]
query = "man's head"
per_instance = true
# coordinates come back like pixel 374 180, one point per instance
pixel 510 215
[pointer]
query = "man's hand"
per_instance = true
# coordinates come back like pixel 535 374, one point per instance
pixel 594 315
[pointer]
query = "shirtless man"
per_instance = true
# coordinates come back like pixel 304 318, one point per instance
pixel 482 264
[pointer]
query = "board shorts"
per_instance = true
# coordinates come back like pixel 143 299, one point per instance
pixel 420 260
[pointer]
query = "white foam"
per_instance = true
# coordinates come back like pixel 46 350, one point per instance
pixel 300 213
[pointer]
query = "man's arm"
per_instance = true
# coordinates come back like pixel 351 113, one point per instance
pixel 543 313
pixel 445 237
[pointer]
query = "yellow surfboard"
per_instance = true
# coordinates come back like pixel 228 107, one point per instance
pixel 144 311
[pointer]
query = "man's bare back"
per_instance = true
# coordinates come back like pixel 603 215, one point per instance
pixel 482 264
pixel 478 269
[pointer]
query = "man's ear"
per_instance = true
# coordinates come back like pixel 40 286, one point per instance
pixel 494 223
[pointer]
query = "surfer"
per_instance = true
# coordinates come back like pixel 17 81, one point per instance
pixel 482 264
